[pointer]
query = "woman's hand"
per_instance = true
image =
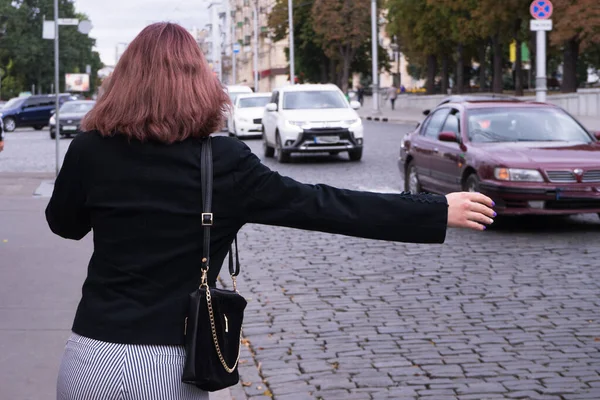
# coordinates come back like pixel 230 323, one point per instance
pixel 469 210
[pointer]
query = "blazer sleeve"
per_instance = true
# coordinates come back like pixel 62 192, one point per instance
pixel 271 199
pixel 66 212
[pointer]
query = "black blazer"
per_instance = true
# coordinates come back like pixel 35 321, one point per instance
pixel 143 202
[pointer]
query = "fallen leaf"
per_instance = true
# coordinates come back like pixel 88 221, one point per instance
pixel 246 384
pixel 597 339
pixel 268 393
pixel 259 387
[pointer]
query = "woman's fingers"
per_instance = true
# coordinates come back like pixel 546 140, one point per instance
pixel 479 217
pixel 482 209
pixel 474 226
pixel 481 199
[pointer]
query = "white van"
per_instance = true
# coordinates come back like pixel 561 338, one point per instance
pixel 234 91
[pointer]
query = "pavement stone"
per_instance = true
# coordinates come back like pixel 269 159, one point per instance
pixel 488 315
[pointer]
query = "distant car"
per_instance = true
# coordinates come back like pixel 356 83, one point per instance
pixel 248 111
pixel 311 119
pixel 70 114
pixel 530 158
pixel 32 111
pixel 234 91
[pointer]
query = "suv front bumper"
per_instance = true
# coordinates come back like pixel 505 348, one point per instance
pixel 323 140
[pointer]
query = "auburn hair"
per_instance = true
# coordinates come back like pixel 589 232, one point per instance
pixel 162 89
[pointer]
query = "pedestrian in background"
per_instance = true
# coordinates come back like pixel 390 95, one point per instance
pixel 134 179
pixel 361 94
pixel 1 135
pixel 393 95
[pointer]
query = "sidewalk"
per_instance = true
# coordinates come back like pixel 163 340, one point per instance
pixel 415 115
pixel 41 277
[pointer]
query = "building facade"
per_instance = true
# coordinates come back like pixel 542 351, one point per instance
pixel 273 67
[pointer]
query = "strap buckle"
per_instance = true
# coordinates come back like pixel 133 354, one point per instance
pixel 207 219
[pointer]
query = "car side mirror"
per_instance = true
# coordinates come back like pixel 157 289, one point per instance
pixel 355 105
pixel 597 134
pixel 426 112
pixel 448 137
pixel 52 112
pixel 271 107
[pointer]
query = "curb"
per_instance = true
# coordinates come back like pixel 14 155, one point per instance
pixel 391 120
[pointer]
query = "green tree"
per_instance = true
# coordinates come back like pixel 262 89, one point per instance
pixel 576 31
pixel 31 56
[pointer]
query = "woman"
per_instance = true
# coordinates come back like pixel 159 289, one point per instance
pixel 134 178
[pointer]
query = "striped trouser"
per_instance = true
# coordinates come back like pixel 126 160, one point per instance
pixel 95 370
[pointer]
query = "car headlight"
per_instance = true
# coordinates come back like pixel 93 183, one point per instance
pixel 53 120
pixel 518 175
pixel 350 122
pixel 297 123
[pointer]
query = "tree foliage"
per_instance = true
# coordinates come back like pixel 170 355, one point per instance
pixel 433 32
pixel 29 60
pixel 328 48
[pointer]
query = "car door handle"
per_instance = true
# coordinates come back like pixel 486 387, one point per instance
pixel 436 150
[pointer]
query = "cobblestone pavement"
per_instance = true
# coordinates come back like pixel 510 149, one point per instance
pixel 511 313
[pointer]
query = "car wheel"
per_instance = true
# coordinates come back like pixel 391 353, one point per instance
pixel 411 180
pixel 268 150
pixel 38 127
pixel 355 155
pixel 472 183
pixel 52 134
pixel 9 125
pixel 280 155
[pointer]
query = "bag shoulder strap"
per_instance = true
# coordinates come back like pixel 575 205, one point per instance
pixel 207 215
pixel 207 189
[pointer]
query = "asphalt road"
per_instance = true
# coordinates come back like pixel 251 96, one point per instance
pixel 507 313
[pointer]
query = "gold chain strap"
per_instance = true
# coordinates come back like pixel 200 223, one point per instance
pixel 214 334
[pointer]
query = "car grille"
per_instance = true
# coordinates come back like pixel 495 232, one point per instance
pixel 561 176
pixel 257 121
pixel 569 176
pixel 591 176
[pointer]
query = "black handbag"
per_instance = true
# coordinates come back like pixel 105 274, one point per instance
pixel 213 327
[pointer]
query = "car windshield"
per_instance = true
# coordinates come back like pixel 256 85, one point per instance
pixel 512 124
pixel 313 99
pixel 254 102
pixel 76 108
pixel 14 103
pixel 234 95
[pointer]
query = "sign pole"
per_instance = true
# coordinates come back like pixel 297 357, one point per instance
pixel 541 11
pixel 375 56
pixel 292 57
pixel 255 46
pixel 540 80
pixel 57 87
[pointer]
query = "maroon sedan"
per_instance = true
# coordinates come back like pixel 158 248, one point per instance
pixel 531 158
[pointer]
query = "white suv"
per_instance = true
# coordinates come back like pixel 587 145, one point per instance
pixel 311 118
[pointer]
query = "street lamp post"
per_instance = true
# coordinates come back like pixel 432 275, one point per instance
pixel 375 55
pixel 57 87
pixel 255 46
pixel 292 58
pixel 396 49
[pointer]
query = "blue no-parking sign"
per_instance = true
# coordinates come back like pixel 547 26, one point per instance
pixel 541 9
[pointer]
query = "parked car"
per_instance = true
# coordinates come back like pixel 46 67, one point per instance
pixel 70 114
pixel 32 111
pixel 234 91
pixel 530 158
pixel 248 111
pixel 311 118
